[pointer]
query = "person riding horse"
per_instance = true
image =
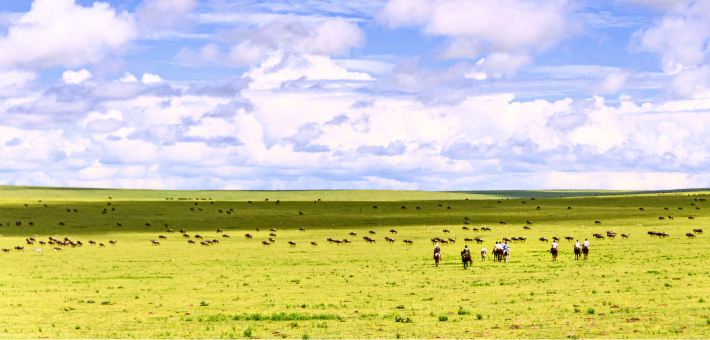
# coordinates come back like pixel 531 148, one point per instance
pixel 437 254
pixel 553 251
pixel 465 256
pixel 577 250
pixel 585 248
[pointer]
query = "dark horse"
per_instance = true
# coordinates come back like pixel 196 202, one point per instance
pixel 553 251
pixel 577 253
pixel 585 250
pixel 467 262
pixel 437 258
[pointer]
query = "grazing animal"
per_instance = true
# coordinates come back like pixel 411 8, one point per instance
pixel 219 230
pixel 292 243
pixel 691 217
pixel 468 239
pixel 169 230
pixel 526 228
pixel 690 235
pixel 670 217
pixel 372 232
pixel 393 231
pixel 569 208
pixel 374 207
pixel 699 231
pixel 20 248
pixel 661 218
pixel 528 222
pixel 353 234
pixel 155 243
pixel 113 243
pixel 163 236
pixel 597 222
pixel 418 208
pixel 302 229
pixel 225 235
pixel 555 238
pixel 265 243
pixel 300 213
pixel 544 239
pixel 272 240
pixel 569 238
pixel 448 208
pixel 446 231
pixel 57 249
pixel 101 245
pixel 314 243
pixel 403 207
pixel 272 229
pixel 478 240
pixel 465 228
pixel 665 208
pixel 624 236
pixel 37 250
pixel 185 235
pixel 641 209
pixel 191 241
pixel 198 236
pixel 502 222
pixel 272 234
pixel 538 208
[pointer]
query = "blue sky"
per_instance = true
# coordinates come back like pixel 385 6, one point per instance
pixel 374 94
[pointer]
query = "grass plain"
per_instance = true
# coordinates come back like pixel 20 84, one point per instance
pixel 641 287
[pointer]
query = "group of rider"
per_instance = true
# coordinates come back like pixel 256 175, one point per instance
pixel 504 246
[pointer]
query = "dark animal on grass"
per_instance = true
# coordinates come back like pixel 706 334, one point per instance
pixel 225 235
pixel 42 242
pixel 18 223
pixel 690 235
pixel 661 218
pixel 198 236
pixel 679 208
pixel 154 242
pixel 597 222
pixel 569 208
pixel 478 240
pixel 353 234
pixel 169 230
pixel 543 239
pixel 191 241
pixel 101 245
pixel 147 224
pixel 569 238
pixel 466 259
pixel 393 231
pixel 475 229
pixel 346 241
pixel 219 230
pixel 291 243
pixel 374 207
pixel 502 222
pixel 577 253
pixel 670 217
pixel 300 213
pixel 641 209
pixel 699 231
pixel 691 217
pixel 61 223
pixel 452 240
pixel 113 243
pixel 665 208
pixel 418 208
pixel 448 208
pixel 538 208
pixel 485 229
pixel 57 248
pixel 272 229
pixel 440 205
pixel 314 243
pixel 185 235
pixel 446 231
pixel 466 222
pixel 468 239
pixel 93 243
pixel 372 232
pixel 5 250
pixel 266 243
pixel 526 228
pixel 182 231
pixel 403 207
pixel 163 236
pixel 624 235
pixel 272 234
pixel 302 229
pixel 272 240
pixel 20 248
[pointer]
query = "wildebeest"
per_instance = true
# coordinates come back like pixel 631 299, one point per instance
pixel 528 222
pixel 403 207
pixel 113 243
pixel 272 234
pixel 468 239
pixel 502 222
pixel 465 218
pixel 448 208
pixel 219 230
pixel 372 232
pixel 162 236
pixel 314 243
pixel 670 217
pixel 624 236
pixel 266 243
pixel 699 231
pixel 191 241
pixel 169 230
pixel 661 218
pixel 272 240
pixel 544 239
pixel 225 235
pixel 374 207
pixel 20 248
pixel 465 222
pixel 666 208
pixel 597 222
pixel 353 234
pixel 198 236
pixel 300 213
pixel 569 208
pixel 569 238
pixel 182 231
pixel 690 235
pixel 410 242
pixel 57 248
pixel 641 209
pixel 446 231
pixel 154 242
pixel 478 240
pixel 393 231
pixel 538 208
pixel 555 238
pixel 526 228
pixel 691 217
pixel 464 228
pixel 292 243
pixel 679 208
pixel 272 229
pixel 185 235
pixel 485 229
pixel 302 229
pixel 101 245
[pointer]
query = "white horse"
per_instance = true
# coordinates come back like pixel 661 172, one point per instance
pixel 484 252
pixel 39 251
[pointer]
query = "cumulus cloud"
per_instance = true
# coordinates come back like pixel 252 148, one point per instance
pixel 151 78
pixel 508 30
pixel 60 32
pixel 326 37
pixel 611 84
pixel 76 77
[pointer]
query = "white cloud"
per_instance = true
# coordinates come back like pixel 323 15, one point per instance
pixel 163 14
pixel 151 78
pixel 59 32
pixel 477 27
pixel 13 83
pixel 128 78
pixel 327 37
pixel 613 82
pixel 76 77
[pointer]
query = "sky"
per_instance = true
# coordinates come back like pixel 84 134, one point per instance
pixel 369 94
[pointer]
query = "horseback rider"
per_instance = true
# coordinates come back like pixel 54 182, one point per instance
pixel 577 244
pixel 586 243
pixel 505 246
pixel 465 251
pixel 437 250
pixel 554 245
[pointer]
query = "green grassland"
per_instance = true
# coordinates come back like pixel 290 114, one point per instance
pixel 641 287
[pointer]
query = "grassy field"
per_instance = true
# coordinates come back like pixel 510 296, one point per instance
pixel 641 287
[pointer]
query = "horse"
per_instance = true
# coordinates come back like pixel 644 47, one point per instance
pixel 484 252
pixel 466 258
pixel 577 253
pixel 505 254
pixel 437 258
pixel 553 251
pixel 585 250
